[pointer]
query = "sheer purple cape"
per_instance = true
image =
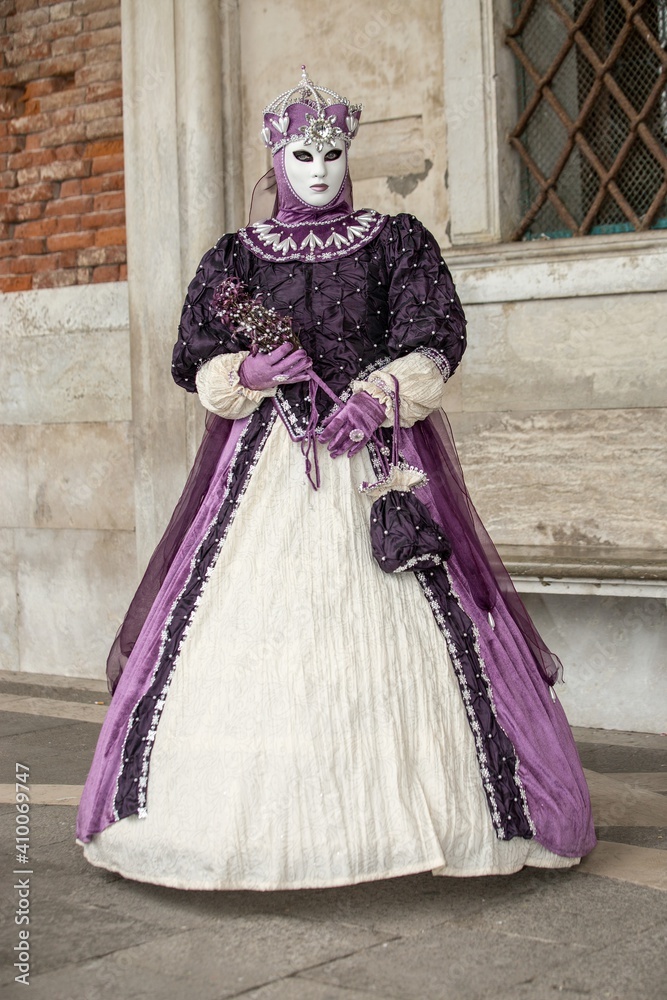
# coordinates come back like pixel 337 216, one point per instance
pixel 429 444
pixel 485 571
pixel 216 433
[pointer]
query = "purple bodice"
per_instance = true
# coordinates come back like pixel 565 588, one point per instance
pixel 391 296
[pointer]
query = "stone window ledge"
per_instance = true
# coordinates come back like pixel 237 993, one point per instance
pixel 625 263
pixel 601 571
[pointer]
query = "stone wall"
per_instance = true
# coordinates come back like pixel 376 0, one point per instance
pixel 67 547
pixel 559 415
pixel 559 418
pixel 558 407
pixel 67 542
pixel 61 144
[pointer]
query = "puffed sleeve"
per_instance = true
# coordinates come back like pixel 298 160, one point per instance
pixel 427 325
pixel 220 390
pixel 202 336
pixel 420 385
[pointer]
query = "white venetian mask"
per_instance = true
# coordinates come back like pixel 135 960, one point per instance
pixel 315 176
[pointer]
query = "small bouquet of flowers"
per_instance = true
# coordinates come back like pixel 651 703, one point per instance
pixel 261 326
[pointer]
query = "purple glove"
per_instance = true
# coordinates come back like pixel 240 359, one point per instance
pixel 351 426
pixel 268 371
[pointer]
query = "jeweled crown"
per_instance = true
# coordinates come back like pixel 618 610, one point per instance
pixel 310 114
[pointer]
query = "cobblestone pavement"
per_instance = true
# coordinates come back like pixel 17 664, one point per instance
pixel 596 931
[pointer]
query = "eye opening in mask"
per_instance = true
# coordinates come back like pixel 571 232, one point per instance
pixel 305 157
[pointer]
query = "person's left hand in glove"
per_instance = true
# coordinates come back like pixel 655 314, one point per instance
pixel 349 429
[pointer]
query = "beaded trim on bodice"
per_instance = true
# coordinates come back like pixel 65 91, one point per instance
pixel 313 240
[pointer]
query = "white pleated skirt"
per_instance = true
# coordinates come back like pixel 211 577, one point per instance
pixel 314 733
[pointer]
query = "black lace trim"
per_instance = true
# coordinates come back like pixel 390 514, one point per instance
pixel 496 756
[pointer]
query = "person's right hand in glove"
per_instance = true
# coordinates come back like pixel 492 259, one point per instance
pixel 268 371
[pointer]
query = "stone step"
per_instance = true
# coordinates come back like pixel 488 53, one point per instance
pixel 88 690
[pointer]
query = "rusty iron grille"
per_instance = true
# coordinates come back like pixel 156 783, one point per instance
pixel 592 128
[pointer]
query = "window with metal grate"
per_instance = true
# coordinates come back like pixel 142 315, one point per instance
pixel 591 132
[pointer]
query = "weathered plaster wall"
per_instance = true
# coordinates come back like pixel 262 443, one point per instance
pixel 387 57
pixel 67 546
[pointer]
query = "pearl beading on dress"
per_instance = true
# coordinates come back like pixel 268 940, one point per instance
pixel 277 240
pixel 466 694
pixel 438 358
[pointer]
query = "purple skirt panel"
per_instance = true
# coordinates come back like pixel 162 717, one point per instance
pixel 548 763
pixel 132 784
pixel 96 809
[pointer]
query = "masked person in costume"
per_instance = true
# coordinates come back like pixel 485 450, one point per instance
pixel 326 676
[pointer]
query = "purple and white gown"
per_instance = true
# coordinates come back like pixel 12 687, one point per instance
pixel 291 716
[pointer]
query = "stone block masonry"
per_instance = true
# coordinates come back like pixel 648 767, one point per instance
pixel 62 201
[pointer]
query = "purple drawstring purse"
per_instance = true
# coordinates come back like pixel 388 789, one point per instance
pixel 404 536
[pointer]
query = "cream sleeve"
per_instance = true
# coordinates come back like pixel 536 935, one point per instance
pixel 220 390
pixel 421 385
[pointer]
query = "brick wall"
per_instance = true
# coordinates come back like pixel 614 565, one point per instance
pixel 62 214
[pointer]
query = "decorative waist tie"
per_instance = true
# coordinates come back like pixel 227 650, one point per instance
pixel 309 441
